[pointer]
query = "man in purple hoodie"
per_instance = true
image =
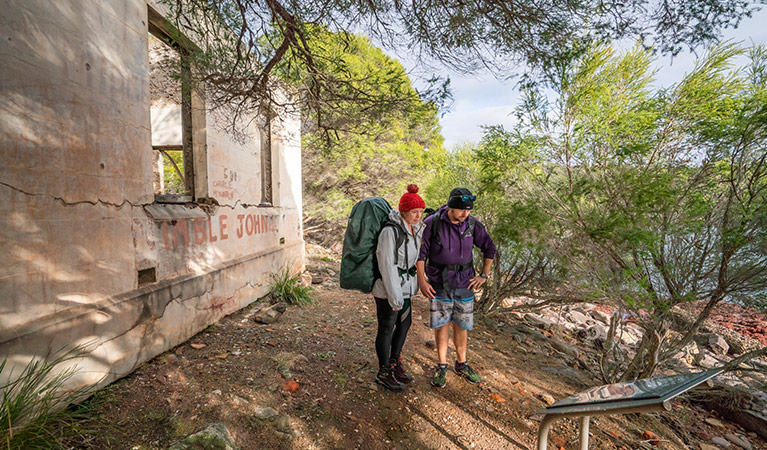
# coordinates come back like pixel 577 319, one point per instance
pixel 446 277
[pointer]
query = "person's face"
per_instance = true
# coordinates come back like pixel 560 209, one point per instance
pixel 458 215
pixel 413 216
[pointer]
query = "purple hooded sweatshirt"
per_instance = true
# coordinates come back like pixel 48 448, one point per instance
pixel 453 250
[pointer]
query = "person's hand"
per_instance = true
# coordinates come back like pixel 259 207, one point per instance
pixel 476 282
pixel 426 288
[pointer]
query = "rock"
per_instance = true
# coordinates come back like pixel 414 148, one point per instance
pixel 746 407
pixel 283 424
pixel 579 318
pixel 306 279
pixel 708 447
pixel 549 400
pixel 238 401
pixel 595 335
pixel 564 348
pixel 214 437
pixel 317 279
pixel 718 344
pixel 722 442
pixel 714 422
pixel 703 359
pixel 518 337
pixel 739 441
pixel 631 334
pixel 538 321
pixel 431 343
pixel 600 316
pixel 269 314
pixel 262 412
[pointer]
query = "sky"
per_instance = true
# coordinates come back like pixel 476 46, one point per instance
pixel 483 100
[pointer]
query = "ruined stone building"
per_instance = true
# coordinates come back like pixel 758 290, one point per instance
pixel 130 221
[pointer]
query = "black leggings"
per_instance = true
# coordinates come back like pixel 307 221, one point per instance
pixel 392 330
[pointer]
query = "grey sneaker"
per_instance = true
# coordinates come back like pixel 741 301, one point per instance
pixel 465 371
pixel 439 378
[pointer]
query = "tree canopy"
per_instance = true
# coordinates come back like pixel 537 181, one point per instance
pixel 243 42
pixel 638 197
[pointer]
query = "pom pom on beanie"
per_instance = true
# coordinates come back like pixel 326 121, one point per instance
pixel 411 199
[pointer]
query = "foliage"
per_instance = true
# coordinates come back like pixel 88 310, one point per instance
pixel 376 152
pixel 34 411
pixel 660 196
pixel 287 287
pixel 522 232
pixel 172 181
pixel 240 44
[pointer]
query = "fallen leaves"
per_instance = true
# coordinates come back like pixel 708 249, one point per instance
pixel 497 398
pixel 651 437
pixel 290 386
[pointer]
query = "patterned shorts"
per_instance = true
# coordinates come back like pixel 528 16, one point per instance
pixel 456 305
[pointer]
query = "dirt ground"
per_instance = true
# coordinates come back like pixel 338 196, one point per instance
pixel 316 366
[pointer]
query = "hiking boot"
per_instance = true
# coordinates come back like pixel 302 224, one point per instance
pixel 399 372
pixel 386 379
pixel 465 371
pixel 439 378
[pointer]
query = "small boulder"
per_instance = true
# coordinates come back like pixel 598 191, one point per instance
pixel 722 442
pixel 714 422
pixel 717 344
pixel 549 400
pixel 431 344
pixel 284 425
pixel 214 437
pixel 564 348
pixel 600 316
pixel 269 314
pixel 739 441
pixel 262 412
pixel 538 321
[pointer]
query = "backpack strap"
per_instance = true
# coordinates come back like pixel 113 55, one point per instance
pixel 400 237
pixel 436 224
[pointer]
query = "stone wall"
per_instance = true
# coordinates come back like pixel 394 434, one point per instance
pixel 78 216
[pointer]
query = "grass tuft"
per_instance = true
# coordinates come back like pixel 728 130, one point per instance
pixel 34 408
pixel 287 287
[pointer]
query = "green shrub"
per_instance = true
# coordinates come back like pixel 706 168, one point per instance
pixel 287 287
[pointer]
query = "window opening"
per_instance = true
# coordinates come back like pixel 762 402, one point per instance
pixel 266 162
pixel 171 118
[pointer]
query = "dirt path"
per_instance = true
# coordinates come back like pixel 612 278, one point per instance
pixel 326 350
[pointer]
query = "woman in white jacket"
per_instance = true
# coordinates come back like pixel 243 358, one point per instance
pixel 397 252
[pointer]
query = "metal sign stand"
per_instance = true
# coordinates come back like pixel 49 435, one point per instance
pixel 647 395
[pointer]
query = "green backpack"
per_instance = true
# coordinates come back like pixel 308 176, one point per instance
pixel 359 267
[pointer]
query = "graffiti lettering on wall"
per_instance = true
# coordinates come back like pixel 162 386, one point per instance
pixel 186 232
pixel 223 189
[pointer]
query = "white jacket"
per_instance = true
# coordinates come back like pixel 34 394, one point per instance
pixel 393 286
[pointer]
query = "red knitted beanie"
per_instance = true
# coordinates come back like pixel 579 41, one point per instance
pixel 411 199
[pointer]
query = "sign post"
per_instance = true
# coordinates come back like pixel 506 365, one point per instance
pixel 647 395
